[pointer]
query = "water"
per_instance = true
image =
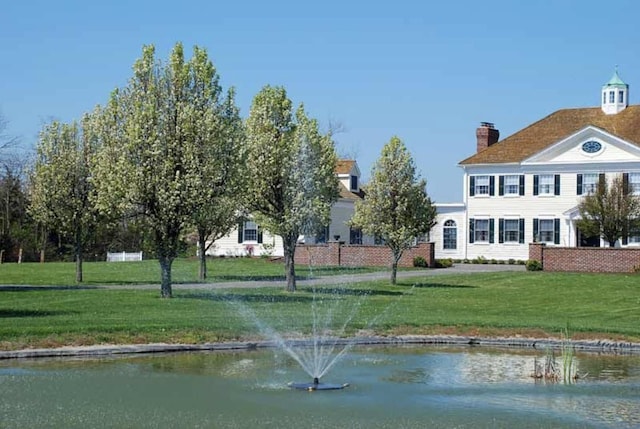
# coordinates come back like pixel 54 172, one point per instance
pixel 326 342
pixel 390 387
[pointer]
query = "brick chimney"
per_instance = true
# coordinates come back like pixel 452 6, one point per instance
pixel 487 135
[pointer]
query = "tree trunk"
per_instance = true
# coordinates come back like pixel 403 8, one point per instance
pixel 202 274
pixel 289 245
pixel 397 254
pixel 165 272
pixel 79 255
pixel 394 272
pixel 42 256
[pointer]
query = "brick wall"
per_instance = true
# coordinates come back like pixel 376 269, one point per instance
pixel 360 256
pixel 585 259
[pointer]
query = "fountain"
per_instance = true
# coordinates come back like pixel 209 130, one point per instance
pixel 326 345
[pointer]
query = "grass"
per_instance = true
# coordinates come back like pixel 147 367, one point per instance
pixel 509 303
pixel 148 272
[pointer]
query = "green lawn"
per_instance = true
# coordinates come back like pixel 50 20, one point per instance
pixel 148 271
pixel 509 303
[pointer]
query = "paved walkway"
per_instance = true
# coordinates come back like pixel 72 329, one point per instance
pixel 338 279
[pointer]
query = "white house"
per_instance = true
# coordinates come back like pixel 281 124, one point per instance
pixel 526 187
pixel 249 238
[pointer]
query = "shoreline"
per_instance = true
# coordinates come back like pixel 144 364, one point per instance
pixel 591 346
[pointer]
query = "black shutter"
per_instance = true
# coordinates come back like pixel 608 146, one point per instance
pixel 625 183
pixel 472 223
pixel 501 230
pixel 240 232
pixel 556 184
pixel 536 181
pixel 556 231
pixel 601 180
pixel 521 184
pixel 259 234
pixel 536 223
pixel 491 230
pixel 579 186
pixel 500 185
pixel 521 230
pixel 492 185
pixel 472 186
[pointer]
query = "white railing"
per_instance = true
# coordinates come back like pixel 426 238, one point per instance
pixel 124 256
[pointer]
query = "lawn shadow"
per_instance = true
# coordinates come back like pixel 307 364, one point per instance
pixel 434 285
pixel 236 297
pixel 352 292
pixel 6 312
pixel 31 288
pixel 251 278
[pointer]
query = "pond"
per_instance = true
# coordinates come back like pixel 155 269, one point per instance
pixel 389 387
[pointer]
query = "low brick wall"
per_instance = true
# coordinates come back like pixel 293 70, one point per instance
pixel 585 259
pixel 337 254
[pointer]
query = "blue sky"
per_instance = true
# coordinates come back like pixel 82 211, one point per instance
pixel 428 72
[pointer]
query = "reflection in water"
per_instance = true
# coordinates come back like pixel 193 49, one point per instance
pixel 391 387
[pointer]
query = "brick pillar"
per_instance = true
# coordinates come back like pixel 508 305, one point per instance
pixel 334 252
pixel 536 252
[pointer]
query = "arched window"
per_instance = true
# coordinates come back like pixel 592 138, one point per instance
pixel 449 235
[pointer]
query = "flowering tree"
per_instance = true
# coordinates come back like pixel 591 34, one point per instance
pixel 61 185
pixel 611 212
pixel 396 206
pixel 291 170
pixel 158 136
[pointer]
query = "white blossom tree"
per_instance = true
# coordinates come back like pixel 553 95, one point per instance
pixel 396 206
pixel 153 157
pixel 215 127
pixel 61 183
pixel 291 170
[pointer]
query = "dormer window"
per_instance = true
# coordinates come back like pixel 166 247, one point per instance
pixel 354 183
pixel 620 97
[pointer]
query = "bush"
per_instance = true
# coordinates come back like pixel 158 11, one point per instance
pixel 511 261
pixel 494 261
pixel 534 265
pixel 444 263
pixel 480 260
pixel 420 262
pixel 521 262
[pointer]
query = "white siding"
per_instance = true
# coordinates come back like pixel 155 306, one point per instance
pixel 456 213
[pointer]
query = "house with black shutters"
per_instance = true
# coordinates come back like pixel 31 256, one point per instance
pixel 526 187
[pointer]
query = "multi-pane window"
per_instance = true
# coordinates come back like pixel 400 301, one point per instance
pixel 546 230
pixel 511 230
pixel 322 236
pixel 546 184
pixel 620 97
pixel 634 183
pixel 482 230
pixel 250 232
pixel 589 183
pixel 612 97
pixel 604 98
pixel 354 183
pixel 512 185
pixel 449 235
pixel 355 236
pixel 482 185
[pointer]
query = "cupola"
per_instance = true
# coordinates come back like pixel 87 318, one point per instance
pixel 615 95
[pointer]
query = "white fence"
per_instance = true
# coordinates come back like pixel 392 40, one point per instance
pixel 124 256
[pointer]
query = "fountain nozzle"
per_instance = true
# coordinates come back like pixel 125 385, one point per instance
pixel 315 380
